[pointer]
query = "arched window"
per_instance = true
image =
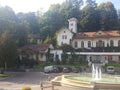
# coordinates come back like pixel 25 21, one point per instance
pixel 70 42
pixel 118 43
pixel 89 43
pixel 96 44
pixel 100 43
pixel 111 43
pixel 62 36
pixel 103 44
pixel 82 44
pixel 76 44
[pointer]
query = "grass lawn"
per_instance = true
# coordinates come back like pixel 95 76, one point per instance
pixel 4 75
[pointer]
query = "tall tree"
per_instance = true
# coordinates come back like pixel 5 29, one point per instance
pixel 107 16
pixel 51 21
pixel 21 33
pixel 30 18
pixel 8 51
pixel 89 20
pixel 8 19
pixel 71 8
pixel 118 26
pixel 57 15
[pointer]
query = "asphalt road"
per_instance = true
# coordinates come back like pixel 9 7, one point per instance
pixel 17 80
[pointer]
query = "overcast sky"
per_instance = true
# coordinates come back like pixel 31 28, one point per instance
pixel 34 5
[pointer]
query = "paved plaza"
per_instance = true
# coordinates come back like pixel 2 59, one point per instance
pixel 17 80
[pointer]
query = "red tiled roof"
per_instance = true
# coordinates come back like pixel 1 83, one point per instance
pixel 37 48
pixel 79 35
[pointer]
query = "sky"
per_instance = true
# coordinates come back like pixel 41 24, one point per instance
pixel 29 5
pixel 35 5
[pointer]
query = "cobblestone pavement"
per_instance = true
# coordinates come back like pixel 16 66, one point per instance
pixel 17 80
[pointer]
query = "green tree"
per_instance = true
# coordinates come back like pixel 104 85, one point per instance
pixel 8 51
pixel 51 21
pixel 89 19
pixel 8 19
pixel 51 40
pixel 107 16
pixel 70 8
pixel 57 15
pixel 31 19
pixel 118 26
pixel 21 33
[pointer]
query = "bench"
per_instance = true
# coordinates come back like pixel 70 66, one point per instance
pixel 46 84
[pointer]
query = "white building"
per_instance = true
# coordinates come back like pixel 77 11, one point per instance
pixel 87 39
pixel 100 41
pixel 65 35
pixel 96 39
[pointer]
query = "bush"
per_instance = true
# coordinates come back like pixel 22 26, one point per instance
pixel 57 61
pixel 26 88
pixel 115 65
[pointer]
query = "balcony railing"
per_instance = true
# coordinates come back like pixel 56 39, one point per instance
pixel 98 49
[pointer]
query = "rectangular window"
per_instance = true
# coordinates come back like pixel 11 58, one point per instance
pixel 71 29
pixel 76 44
pixel 62 36
pixel 65 36
pixel 71 24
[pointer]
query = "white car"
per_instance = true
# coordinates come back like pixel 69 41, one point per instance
pixel 49 69
pixel 110 69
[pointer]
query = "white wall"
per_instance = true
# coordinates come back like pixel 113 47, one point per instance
pixel 42 57
pixel 57 52
pixel 115 58
pixel 94 40
pixel 60 39
pixel 73 25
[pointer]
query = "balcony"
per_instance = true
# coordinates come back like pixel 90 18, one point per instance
pixel 98 49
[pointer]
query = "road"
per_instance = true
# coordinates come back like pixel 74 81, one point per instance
pixel 17 80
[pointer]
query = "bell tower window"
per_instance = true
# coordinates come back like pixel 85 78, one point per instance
pixel 71 24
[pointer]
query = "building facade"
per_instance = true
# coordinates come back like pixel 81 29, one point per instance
pixel 99 41
pixel 35 52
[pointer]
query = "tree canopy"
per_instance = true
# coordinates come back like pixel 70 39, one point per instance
pixel 107 16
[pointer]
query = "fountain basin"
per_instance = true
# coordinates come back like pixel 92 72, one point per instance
pixel 86 83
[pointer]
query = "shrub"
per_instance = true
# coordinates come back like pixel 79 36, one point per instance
pixel 26 88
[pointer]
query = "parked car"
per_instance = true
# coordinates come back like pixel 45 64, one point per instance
pixel 60 68
pixel 76 69
pixel 110 69
pixel 50 69
pixel 66 69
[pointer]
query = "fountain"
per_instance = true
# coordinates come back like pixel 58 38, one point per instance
pixel 96 72
pixel 94 82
